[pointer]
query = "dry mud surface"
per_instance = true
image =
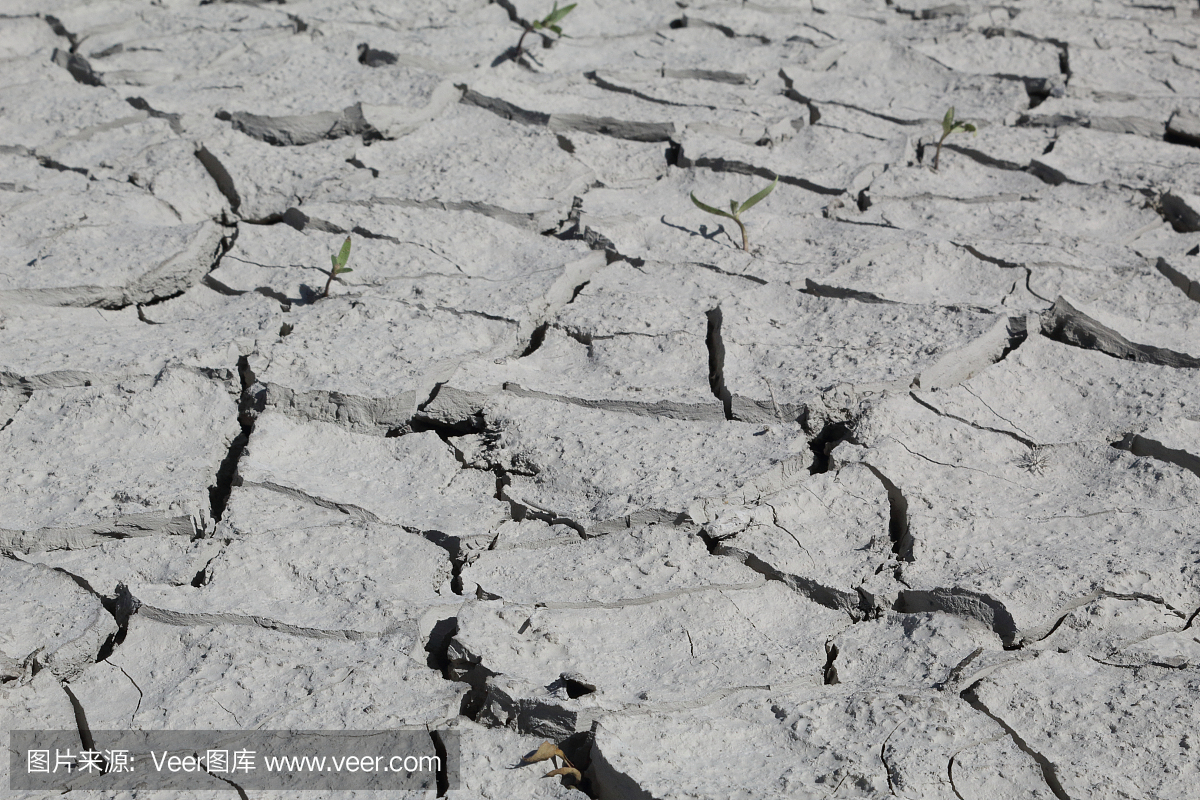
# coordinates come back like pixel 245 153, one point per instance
pixel 903 501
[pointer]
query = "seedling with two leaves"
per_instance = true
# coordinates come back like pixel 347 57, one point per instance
pixel 548 751
pixel 950 125
pixel 339 265
pixel 547 23
pixel 736 209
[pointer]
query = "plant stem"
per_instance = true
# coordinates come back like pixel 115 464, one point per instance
pixel 938 153
pixel 521 41
pixel 328 282
pixel 745 243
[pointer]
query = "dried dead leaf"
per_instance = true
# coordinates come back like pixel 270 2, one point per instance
pixel 574 773
pixel 545 752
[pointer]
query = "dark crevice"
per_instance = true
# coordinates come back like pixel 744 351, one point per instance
pixel 612 87
pixel 578 749
pixel 1032 445
pixel 202 576
pixel 173 120
pixel 1191 619
pixel 1049 772
pixel 219 492
pixel 857 606
pixel 713 543
pixel 898 527
pixel 241 793
pixel 574 687
pixel 454 550
pixel 1143 447
pixel 716 362
pixel 663 408
pixel 824 441
pixel 475 675
pixel 1099 595
pixel 78 66
pixel 511 10
pixel 122 605
pixel 25 394
pixel 539 333
pixel 297 131
pixel 301 221
pixel 85 732
pixel 814 114
pixel 375 58
pixel 443 773
pixel 584 123
pixel 1066 324
pixel 354 162
pixel 726 31
pixel 950 778
pixel 672 153
pixel 1039 90
pixel 887 768
pixel 439 644
pixel 1177 211
pixel 61 30
pixel 743 168
pixel 50 163
pixel 983 158
pixel 1175 136
pixel 519 511
pixel 1018 334
pixel 999 262
pixel 815 289
pixel 957 671
pixel 829 671
pixel 221 176
pixel 1047 174
pixel 719 271
pixel 962 603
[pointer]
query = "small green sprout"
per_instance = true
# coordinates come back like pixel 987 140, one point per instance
pixel 548 23
pixel 339 265
pixel 949 126
pixel 736 209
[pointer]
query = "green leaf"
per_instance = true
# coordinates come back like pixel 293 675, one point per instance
pixel 344 256
pixel 344 270
pixel 557 13
pixel 710 209
pixel 335 264
pixel 948 121
pixel 733 206
pixel 756 198
pixel 556 29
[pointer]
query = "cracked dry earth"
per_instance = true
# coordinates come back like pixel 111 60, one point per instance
pixel 902 502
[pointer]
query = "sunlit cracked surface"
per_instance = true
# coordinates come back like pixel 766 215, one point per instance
pixel 900 501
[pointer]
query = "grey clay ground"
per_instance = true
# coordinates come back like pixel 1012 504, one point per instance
pixel 902 502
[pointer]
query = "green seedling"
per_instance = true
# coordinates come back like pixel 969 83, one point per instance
pixel 547 23
pixel 949 126
pixel 339 265
pixel 736 209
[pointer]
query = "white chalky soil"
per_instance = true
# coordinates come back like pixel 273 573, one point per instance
pixel 902 501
